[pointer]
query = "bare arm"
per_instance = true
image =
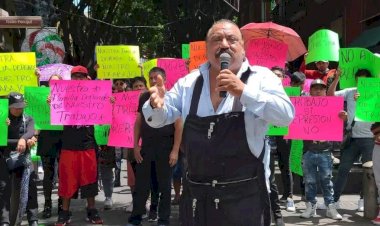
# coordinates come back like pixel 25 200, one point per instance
pixel 332 88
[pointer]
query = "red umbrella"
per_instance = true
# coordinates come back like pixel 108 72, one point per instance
pixel 277 32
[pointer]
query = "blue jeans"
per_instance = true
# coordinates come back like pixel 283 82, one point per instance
pixel 318 165
pixel 358 146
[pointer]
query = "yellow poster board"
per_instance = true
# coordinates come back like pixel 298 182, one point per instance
pixel 120 61
pixel 17 70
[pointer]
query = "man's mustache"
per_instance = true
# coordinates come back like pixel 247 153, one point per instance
pixel 220 51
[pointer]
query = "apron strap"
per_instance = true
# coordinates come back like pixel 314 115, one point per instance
pixel 237 106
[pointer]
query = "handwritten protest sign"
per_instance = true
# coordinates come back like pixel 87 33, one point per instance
pixel 101 134
pixel 185 51
pixel 316 119
pixel 16 72
pixel 38 108
pixel 307 84
pixel 147 66
pixel 368 104
pixel 124 117
pixel 296 152
pixel 174 68
pixel 79 102
pixel 266 52
pixel 352 59
pixel 3 118
pixel 48 70
pixel 283 130
pixel 118 61
pixel 323 45
pixel 197 54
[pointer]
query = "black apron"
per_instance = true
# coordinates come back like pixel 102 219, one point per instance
pixel 225 183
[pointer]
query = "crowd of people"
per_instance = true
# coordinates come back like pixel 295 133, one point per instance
pixel 212 147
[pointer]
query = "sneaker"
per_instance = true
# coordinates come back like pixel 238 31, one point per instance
pixel 108 203
pixel 361 205
pixel 152 216
pixel 290 207
pixel 64 218
pixel 310 210
pixel 337 205
pixel 332 213
pixel 376 221
pixel 93 216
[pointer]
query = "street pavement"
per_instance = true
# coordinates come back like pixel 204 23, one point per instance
pixel 122 198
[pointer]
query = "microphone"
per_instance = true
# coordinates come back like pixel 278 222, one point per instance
pixel 225 60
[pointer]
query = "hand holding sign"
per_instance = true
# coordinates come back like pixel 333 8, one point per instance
pixel 157 93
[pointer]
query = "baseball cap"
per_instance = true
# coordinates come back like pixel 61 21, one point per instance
pixel 16 100
pixel 318 82
pixel 324 61
pixel 79 69
pixel 297 77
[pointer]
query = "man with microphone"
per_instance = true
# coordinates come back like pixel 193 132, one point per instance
pixel 223 136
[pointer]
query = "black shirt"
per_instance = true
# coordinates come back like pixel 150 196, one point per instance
pixel 148 132
pixel 20 127
pixel 78 138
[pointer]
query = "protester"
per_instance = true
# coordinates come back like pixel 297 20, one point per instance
pixel 78 165
pixel 361 142
pixel 282 148
pixel 375 128
pixel 323 72
pixel 297 79
pixel 317 166
pixel 20 130
pixel 225 171
pixel 157 155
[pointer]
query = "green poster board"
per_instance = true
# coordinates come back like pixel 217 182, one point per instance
pixel 352 59
pixel 323 45
pixel 296 152
pixel 284 130
pixel 368 104
pixel 38 108
pixel 185 51
pixel 101 134
pixel 3 125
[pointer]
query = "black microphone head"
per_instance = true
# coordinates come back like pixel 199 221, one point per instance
pixel 225 58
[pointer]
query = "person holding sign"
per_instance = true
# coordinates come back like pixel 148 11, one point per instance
pixel 20 130
pixel 223 137
pixel 78 165
pixel 375 128
pixel 323 72
pixel 317 166
pixel 155 159
pixel 360 141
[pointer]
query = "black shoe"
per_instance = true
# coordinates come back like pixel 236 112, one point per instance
pixel 279 222
pixel 93 216
pixel 33 223
pixel 152 216
pixel 64 218
pixel 116 184
pixel 47 212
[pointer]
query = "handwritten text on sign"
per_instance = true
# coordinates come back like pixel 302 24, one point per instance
pixel 197 54
pixel 174 68
pixel 317 119
pixel 266 52
pixel 3 126
pixel 124 117
pixel 352 59
pixel 38 108
pixel 368 104
pixel 323 45
pixel 295 160
pixel 118 61
pixel 79 102
pixel 16 72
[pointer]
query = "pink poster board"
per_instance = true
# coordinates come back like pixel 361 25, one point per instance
pixel 124 117
pixel 306 86
pixel 266 52
pixel 286 82
pixel 174 68
pixel 316 119
pixel 79 102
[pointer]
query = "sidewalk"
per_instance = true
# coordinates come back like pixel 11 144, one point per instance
pixel 122 198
